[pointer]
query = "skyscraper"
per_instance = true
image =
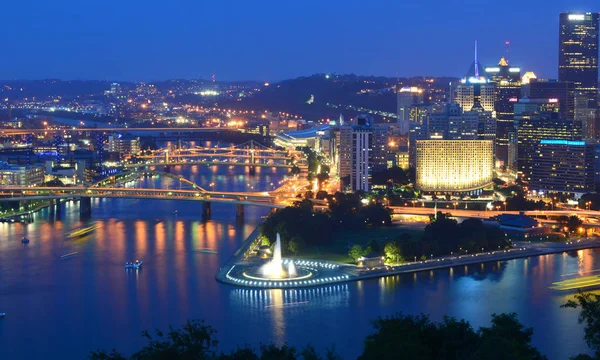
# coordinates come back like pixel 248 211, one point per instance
pixel 578 53
pixel 363 150
pixel 536 120
pixel 563 166
pixel 561 92
pixel 409 98
pixel 475 88
pixel 508 91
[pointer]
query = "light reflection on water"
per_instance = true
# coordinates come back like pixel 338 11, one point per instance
pixel 90 301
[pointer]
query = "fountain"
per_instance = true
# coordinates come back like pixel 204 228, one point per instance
pixel 276 269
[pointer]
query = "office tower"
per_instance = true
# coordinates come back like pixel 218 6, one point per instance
pixel 536 120
pixel 475 88
pixel 561 92
pixel 363 150
pixel 419 129
pixel 578 53
pixel 459 166
pixel 451 122
pixel 408 99
pixel 585 115
pixel 508 92
pixel 563 166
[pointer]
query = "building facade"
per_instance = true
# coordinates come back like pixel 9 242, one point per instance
pixel 578 53
pixel 363 150
pixel 563 166
pixel 508 91
pixel 537 120
pixel 408 101
pixel 454 165
pixel 22 175
pixel 560 92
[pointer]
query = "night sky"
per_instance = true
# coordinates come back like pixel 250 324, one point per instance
pixel 273 40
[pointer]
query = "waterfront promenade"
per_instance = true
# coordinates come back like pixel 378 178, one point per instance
pixel 344 272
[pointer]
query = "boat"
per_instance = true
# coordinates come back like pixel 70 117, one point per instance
pixel 25 240
pixel 82 232
pixel 134 265
pixel 69 255
pixel 2 315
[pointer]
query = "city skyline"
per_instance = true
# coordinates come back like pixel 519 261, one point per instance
pixel 264 41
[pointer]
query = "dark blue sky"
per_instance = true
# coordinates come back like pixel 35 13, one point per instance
pixel 272 40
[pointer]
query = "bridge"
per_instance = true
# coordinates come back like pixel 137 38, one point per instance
pixel 85 194
pixel 250 154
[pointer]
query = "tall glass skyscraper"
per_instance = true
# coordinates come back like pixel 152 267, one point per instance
pixel 578 53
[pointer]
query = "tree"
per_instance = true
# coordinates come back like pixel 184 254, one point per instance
pixel 574 223
pixel 356 251
pixel 295 244
pixel 507 338
pixel 195 340
pixel 392 252
pixel 416 337
pixel 590 315
pixel 309 194
pixel 295 170
pixel 321 195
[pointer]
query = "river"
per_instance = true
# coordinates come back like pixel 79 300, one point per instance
pixel 88 301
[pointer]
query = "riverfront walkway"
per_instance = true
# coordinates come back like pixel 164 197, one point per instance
pixel 345 272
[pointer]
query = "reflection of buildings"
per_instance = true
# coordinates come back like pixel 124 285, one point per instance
pixel 563 166
pixel 454 165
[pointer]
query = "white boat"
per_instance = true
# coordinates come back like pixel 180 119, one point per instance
pixel 25 240
pixel 134 265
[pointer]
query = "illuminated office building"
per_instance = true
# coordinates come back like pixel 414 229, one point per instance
pixel 537 120
pixel 578 53
pixel 561 91
pixel 563 166
pixel 475 88
pixel 508 91
pixel 454 166
pixel 363 150
pixel 408 100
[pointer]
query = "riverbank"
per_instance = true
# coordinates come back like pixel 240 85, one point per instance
pixel 26 212
pixel 533 249
pixel 342 272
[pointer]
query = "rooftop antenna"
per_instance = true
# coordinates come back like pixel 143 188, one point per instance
pixel 507 48
pixel 476 62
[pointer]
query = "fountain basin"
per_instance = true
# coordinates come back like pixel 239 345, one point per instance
pixel 256 273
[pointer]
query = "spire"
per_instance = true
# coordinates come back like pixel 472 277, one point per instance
pixel 503 62
pixel 476 62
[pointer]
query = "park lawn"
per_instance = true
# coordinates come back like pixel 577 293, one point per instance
pixel 343 240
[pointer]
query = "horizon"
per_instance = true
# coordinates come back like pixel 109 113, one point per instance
pixel 270 41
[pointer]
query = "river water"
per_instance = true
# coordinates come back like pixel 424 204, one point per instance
pixel 88 301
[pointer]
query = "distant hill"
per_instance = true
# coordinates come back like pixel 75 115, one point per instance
pixel 293 95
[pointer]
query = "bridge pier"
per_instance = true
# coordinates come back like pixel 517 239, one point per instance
pixel 85 208
pixel 239 214
pixel 252 170
pixel 52 207
pixel 206 210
